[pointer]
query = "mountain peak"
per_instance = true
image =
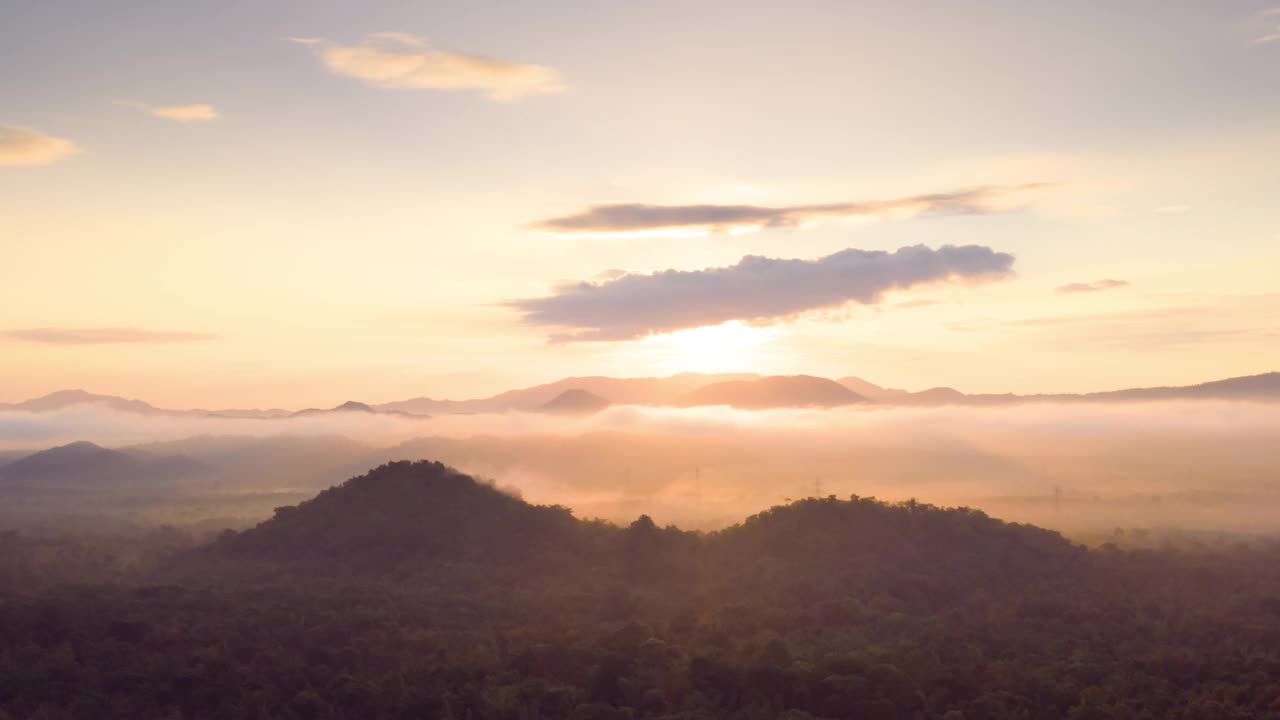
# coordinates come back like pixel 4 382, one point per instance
pixel 575 401
pixel 352 405
pixel 777 391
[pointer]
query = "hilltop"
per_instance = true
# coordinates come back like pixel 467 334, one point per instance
pixel 407 517
pixel 773 392
pixel 575 401
pixel 84 465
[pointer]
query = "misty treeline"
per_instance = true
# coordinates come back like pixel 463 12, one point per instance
pixel 416 592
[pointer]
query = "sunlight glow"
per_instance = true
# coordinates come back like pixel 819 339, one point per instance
pixel 731 347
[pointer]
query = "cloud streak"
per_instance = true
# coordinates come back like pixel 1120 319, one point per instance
pixel 756 290
pixel 634 218
pixel 24 146
pixel 403 61
pixel 198 112
pixel 1096 286
pixel 1272 32
pixel 101 336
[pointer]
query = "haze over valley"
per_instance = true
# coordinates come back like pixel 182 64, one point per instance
pixel 699 451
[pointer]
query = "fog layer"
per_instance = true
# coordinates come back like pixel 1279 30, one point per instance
pixel 1198 465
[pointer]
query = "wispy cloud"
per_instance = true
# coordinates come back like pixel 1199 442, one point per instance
pixel 24 146
pixel 182 113
pixel 404 61
pixel 101 336
pixel 634 218
pixel 1095 286
pixel 1271 33
pixel 756 290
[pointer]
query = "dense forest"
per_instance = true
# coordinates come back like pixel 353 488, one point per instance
pixel 416 592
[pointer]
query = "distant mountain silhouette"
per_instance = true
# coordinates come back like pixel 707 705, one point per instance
pixel 938 395
pixel 871 391
pixel 620 391
pixel 84 466
pixel 696 389
pixel 351 406
pixel 68 398
pixel 1265 386
pixel 575 401
pixel 348 406
pixel 773 392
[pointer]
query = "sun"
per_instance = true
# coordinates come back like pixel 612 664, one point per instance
pixel 731 347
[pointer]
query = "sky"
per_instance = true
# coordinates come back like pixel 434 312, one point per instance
pixel 294 204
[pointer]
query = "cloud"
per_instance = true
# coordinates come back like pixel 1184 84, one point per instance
pixel 182 113
pixel 102 336
pixel 403 61
pixel 1272 32
pixel 757 289
pixel 635 218
pixel 1095 286
pixel 24 146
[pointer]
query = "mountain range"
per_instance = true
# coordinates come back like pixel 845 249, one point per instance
pixel 748 391
pixel 83 465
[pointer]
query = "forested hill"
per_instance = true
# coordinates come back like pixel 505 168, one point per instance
pixel 422 519
pixel 408 517
pixel 926 554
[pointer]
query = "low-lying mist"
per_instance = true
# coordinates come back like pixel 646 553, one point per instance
pixel 1199 465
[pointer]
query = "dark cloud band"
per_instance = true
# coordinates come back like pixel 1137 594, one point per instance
pixel 757 289
pixel 634 218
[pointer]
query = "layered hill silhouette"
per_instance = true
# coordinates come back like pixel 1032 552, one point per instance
pixel 575 401
pixel 64 399
pixel 353 406
pixel 744 390
pixel 773 392
pixel 84 465
pixel 870 390
pixel 620 391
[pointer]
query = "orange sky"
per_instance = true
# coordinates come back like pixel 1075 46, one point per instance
pixel 305 203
